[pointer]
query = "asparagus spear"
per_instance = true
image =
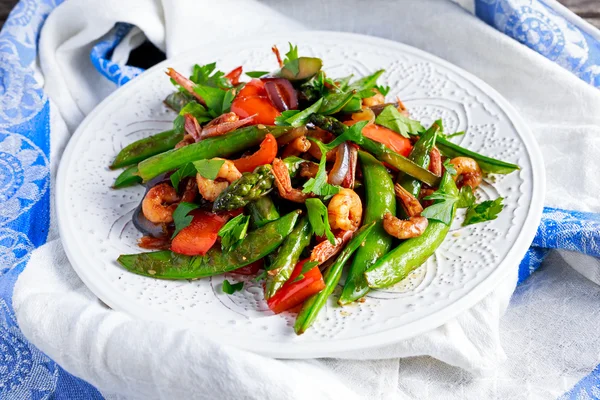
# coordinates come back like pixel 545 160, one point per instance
pixel 220 146
pixel 147 147
pixel 251 186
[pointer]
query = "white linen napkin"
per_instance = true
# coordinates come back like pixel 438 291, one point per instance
pixel 139 359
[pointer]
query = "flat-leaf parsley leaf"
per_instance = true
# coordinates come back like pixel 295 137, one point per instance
pixel 183 172
pixel 485 211
pixel 208 169
pixel 391 118
pixel 181 217
pixel 233 232
pixel 232 288
pixel 318 218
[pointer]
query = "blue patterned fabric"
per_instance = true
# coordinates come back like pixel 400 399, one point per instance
pixel 102 52
pixel 535 24
pixel 25 372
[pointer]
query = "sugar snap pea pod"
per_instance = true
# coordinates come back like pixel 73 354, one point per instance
pixel 219 146
pixel 177 100
pixel 147 147
pixel 420 156
pixel 381 152
pixel 256 245
pixel 332 276
pixel 251 186
pixel 487 164
pixel 380 199
pixel 398 263
pixel 303 69
pixel 262 211
pixel 293 164
pixel 287 257
pixel 129 177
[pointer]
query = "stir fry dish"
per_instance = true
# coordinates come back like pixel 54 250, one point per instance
pixel 294 176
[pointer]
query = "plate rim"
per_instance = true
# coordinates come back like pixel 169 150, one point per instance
pixel 337 347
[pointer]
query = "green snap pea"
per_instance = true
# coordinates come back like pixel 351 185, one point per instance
pixel 380 199
pixel 487 164
pixel 332 276
pixel 380 151
pixel 411 253
pixel 129 177
pixel 420 156
pixel 256 245
pixel 287 257
pixel 177 100
pixel 262 211
pixel 145 148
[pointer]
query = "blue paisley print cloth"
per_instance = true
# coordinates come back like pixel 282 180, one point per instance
pixel 25 372
pixel 537 25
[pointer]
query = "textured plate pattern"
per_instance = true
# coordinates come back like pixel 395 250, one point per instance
pixel 96 228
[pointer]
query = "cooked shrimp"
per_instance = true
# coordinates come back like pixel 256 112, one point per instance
pixel 409 203
pixel 296 147
pixel 468 171
pixel 435 161
pixel 211 189
pixel 424 193
pixel 345 210
pixel 291 135
pixel 324 137
pixel 159 203
pixel 227 117
pixel 185 83
pixel 401 107
pixel 187 139
pixel 190 191
pixel 325 250
pixel 404 229
pixel 374 100
pixel 275 51
pixel 365 114
pixel 191 126
pixel 228 122
pixel 284 183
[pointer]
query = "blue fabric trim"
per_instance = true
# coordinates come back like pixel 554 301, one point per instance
pixel 535 24
pixel 25 372
pixel 102 52
pixel 586 389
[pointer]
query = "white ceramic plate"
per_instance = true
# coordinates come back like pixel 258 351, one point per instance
pixel 95 221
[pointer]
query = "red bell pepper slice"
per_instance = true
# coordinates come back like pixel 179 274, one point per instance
pixel 234 75
pixel 198 237
pixel 387 137
pixel 295 293
pixel 265 155
pixel 253 100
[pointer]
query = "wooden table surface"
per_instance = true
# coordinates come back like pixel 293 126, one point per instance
pixel 587 9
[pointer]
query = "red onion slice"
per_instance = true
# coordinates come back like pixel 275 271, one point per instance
pixel 281 93
pixel 342 166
